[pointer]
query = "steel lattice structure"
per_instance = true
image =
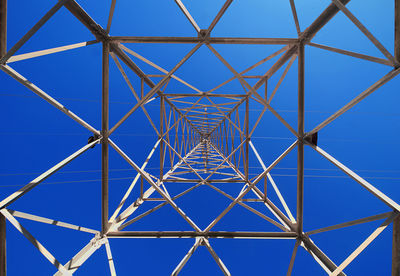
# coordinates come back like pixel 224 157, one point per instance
pixel 205 151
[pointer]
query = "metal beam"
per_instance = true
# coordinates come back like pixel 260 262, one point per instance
pixel 217 259
pixel 24 81
pixel 396 247
pixel 350 223
pixel 210 234
pixel 292 259
pixel 365 31
pixel 186 258
pixel 319 256
pixel 218 16
pixel 110 259
pixel 351 54
pixel 157 67
pixel 3 27
pixel 35 242
pixel 361 248
pixel 110 16
pixel 3 250
pixel 129 190
pixel 385 79
pixel 104 140
pixel 33 30
pixel 300 145
pixel 156 88
pixel 50 51
pixel 397 30
pixel 51 221
pixel 295 18
pixel 84 254
pixel 13 197
pixel 156 186
pixel 133 207
pixel 188 15
pixel 211 40
pixel 3 51
pixel 321 21
pixel 376 192
pixel 144 78
pixel 86 20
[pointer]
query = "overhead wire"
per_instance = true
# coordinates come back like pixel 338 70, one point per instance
pixel 254 137
pixel 131 178
pixel 155 168
pixel 250 109
pixel 173 135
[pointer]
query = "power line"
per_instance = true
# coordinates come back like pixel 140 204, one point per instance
pixel 157 168
pixel 274 175
pixel 251 109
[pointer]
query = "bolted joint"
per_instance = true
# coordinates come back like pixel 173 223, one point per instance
pixel 98 241
pixel 203 34
pixel 99 32
pixel 202 241
pixel 303 40
pixel 93 138
pixel 312 139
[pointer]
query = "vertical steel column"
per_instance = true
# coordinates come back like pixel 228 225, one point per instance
pixel 3 51
pixel 396 222
pixel 104 133
pixel 161 135
pixel 219 134
pixel 396 247
pixel 397 30
pixel 246 129
pixel 3 27
pixel 3 251
pixel 266 177
pixel 266 90
pixel 300 147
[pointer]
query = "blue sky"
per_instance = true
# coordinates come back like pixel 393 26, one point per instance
pixel 36 136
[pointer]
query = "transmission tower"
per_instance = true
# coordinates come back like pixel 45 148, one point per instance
pixel 204 138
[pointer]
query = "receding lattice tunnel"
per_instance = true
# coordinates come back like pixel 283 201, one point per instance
pixel 202 139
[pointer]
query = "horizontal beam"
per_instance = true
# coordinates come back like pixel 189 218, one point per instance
pixel 211 234
pixel 212 40
pixel 203 94
pixel 208 180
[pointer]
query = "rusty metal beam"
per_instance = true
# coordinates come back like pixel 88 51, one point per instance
pixel 396 247
pixel 3 250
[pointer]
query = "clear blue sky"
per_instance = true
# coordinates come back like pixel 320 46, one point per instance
pixel 36 136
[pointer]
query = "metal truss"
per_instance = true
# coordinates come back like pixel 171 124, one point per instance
pixel 203 139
